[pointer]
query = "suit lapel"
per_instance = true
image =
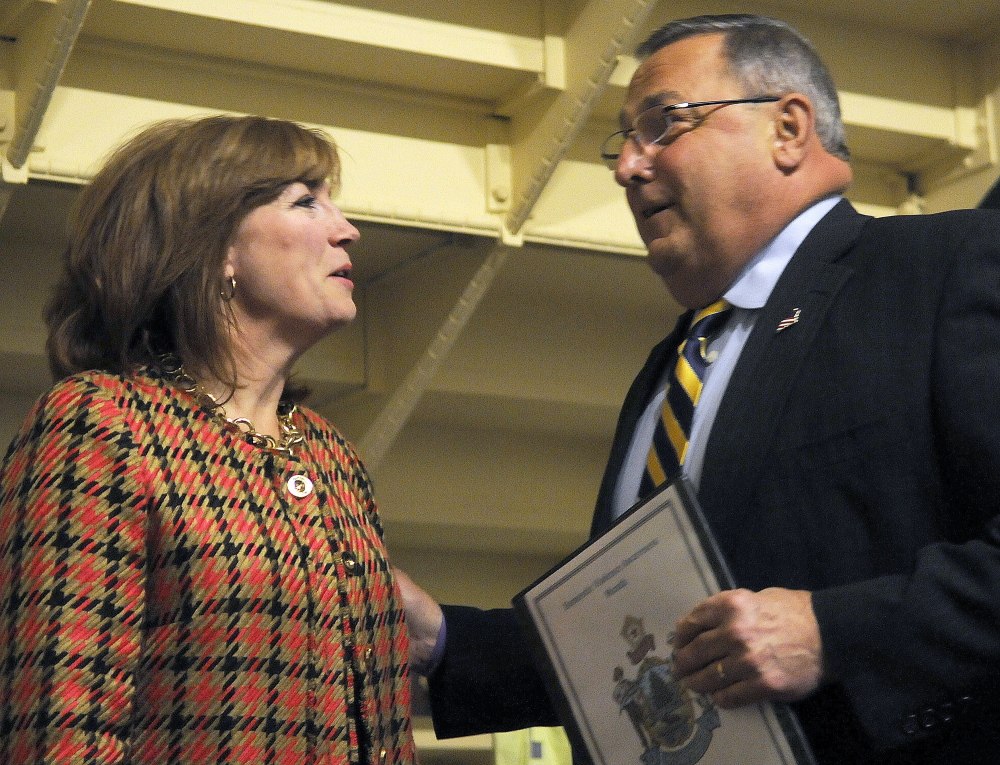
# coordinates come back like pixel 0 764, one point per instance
pixel 642 390
pixel 750 411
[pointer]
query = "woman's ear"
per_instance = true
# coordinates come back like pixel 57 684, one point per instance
pixel 794 129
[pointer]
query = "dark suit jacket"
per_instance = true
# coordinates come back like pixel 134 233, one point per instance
pixel 855 454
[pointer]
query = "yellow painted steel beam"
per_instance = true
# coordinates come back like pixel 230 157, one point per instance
pixel 397 411
pixel 378 29
pixel 601 32
pixel 41 49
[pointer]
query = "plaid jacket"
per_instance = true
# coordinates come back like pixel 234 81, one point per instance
pixel 171 594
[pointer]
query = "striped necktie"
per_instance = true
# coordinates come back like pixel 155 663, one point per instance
pixel 673 429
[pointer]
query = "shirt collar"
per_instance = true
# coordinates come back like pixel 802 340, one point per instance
pixel 753 286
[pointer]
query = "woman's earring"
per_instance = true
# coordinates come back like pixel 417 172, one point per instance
pixel 228 291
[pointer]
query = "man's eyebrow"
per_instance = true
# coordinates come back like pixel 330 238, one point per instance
pixel 656 99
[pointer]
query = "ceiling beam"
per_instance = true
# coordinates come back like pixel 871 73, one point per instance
pixel 602 30
pixel 603 26
pixel 394 415
pixel 41 50
pixel 377 29
pixel 890 115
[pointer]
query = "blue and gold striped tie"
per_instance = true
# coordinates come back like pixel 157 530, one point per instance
pixel 673 429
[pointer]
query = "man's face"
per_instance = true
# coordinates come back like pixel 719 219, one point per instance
pixel 699 199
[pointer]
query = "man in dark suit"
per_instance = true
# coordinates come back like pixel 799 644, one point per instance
pixel 846 446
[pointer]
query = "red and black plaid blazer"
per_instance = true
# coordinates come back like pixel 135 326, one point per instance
pixel 171 594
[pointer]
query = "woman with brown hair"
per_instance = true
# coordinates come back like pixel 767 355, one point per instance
pixel 192 567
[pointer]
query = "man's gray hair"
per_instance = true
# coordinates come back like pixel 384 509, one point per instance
pixel 767 57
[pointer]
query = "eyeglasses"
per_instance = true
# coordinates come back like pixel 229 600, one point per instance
pixel 656 124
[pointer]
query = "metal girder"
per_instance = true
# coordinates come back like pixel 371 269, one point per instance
pixel 41 50
pixel 590 51
pixel 390 421
pixel 602 30
pixel 377 29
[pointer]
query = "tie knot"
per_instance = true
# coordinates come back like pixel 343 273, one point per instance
pixel 719 306
pixel 708 321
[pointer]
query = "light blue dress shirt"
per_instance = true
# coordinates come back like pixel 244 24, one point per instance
pixel 748 294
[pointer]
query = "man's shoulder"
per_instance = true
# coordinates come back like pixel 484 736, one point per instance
pixel 968 220
pixel 931 235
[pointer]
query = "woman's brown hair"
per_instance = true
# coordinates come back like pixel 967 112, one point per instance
pixel 143 269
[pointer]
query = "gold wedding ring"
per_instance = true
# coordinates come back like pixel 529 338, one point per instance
pixel 720 670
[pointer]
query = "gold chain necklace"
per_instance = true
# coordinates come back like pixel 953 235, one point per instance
pixel 291 435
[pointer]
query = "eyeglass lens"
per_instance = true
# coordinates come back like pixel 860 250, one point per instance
pixel 653 124
pixel 649 127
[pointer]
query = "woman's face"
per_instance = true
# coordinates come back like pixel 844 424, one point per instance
pixel 289 259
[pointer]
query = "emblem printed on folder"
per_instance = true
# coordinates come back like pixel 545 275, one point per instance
pixel 786 323
pixel 674 725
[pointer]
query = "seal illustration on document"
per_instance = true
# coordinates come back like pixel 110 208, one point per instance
pixel 674 724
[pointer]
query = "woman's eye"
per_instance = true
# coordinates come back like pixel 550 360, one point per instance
pixel 306 201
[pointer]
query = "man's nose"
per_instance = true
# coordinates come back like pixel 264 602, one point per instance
pixel 634 164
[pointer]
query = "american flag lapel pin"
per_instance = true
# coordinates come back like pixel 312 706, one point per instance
pixel 787 322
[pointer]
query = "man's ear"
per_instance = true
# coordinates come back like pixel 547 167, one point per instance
pixel 794 129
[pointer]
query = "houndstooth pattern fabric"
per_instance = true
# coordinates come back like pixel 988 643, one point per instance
pixel 166 597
